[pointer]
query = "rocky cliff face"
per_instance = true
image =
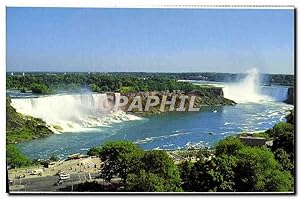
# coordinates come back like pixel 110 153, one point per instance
pixel 203 97
pixel 290 98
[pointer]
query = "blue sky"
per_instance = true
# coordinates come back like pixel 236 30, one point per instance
pixel 151 40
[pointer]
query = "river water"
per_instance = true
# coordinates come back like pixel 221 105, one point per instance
pixel 172 130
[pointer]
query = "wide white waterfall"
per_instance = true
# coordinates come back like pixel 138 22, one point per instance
pixel 71 112
pixel 247 90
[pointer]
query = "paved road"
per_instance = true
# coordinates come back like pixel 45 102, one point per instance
pixel 48 183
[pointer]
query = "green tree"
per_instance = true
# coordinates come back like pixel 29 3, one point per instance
pixel 283 138
pixel 284 160
pixel 147 182
pixel 201 178
pixel 285 141
pixel 94 88
pixel 40 89
pixel 255 170
pixel 94 151
pixel 223 172
pixel 120 158
pixel 185 169
pixel 158 162
pixel 280 128
pixel 279 181
pixel 230 146
pixel 15 158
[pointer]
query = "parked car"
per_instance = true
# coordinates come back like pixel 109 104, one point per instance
pixel 64 176
pixel 20 176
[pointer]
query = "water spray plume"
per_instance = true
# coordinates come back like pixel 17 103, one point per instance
pixel 247 90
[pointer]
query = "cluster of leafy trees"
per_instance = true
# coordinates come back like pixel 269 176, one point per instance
pixel 139 170
pixel 39 89
pixel 97 82
pixel 236 167
pixel 283 143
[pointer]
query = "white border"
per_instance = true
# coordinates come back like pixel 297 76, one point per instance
pixel 191 4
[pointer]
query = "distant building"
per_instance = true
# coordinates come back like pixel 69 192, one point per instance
pixel 253 141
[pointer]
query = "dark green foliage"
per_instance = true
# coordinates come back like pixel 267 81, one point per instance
pixel 22 128
pixel 223 173
pixel 284 141
pixel 159 163
pixel 290 118
pixel 216 174
pixel 40 89
pixel 279 181
pixel 283 138
pixel 94 151
pixel 284 160
pixel 251 169
pixel 255 170
pixel 94 88
pixel 138 81
pixel 185 169
pixel 200 178
pixel 229 145
pixel 120 159
pixel 147 182
pixel 133 165
pixel 15 158
pixel 279 129
pixel 98 82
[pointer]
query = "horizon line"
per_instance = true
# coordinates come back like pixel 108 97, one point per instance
pixel 141 72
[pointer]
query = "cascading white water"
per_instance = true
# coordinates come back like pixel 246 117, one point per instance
pixel 248 90
pixel 70 112
pixel 277 93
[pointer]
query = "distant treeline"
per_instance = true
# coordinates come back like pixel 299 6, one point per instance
pixel 43 83
pixel 267 79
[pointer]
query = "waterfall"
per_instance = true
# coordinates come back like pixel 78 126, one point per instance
pixel 247 90
pixel 277 93
pixel 250 90
pixel 70 112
